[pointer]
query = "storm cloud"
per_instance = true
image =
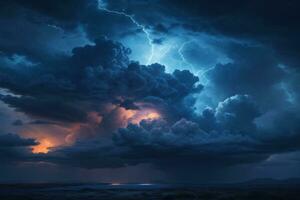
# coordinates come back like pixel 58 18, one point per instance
pixel 14 148
pixel 220 86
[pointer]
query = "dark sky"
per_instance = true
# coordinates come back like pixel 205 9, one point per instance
pixel 149 90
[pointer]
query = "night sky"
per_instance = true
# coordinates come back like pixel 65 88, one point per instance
pixel 149 90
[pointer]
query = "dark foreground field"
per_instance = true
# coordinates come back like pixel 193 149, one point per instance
pixel 144 192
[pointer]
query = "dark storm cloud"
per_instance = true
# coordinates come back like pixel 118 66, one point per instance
pixel 149 142
pixel 237 113
pixel 41 39
pixel 18 122
pixel 48 108
pixel 12 140
pixel 160 28
pixel 127 104
pixel 56 12
pixel 13 148
pixel 158 140
pixel 274 23
pixel 284 132
pixel 43 122
pixel 224 137
pixel 230 139
pixel 94 74
pixel 72 14
pixel 53 28
pixel 157 143
pixel 254 70
pixel 51 89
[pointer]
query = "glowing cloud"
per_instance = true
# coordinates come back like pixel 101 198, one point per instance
pixel 43 147
pixel 47 136
pixel 136 116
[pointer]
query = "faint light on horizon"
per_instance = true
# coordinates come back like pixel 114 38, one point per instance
pixel 116 184
pixel 145 184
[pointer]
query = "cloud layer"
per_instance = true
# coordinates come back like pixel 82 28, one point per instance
pixel 91 106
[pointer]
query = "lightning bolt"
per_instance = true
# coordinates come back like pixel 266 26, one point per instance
pixel 184 62
pixel 140 26
pixel 163 52
pixel 183 59
pixel 200 73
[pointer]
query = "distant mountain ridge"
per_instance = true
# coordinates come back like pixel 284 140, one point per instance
pixel 269 182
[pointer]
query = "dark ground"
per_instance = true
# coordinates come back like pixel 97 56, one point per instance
pixel 136 191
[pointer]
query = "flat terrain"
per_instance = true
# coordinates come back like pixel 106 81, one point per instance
pixel 144 192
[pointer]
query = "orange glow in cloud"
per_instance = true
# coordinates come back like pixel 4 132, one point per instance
pixel 94 118
pixel 144 115
pixel 51 136
pixel 43 147
pixel 47 136
pixel 136 116
pixel 56 135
